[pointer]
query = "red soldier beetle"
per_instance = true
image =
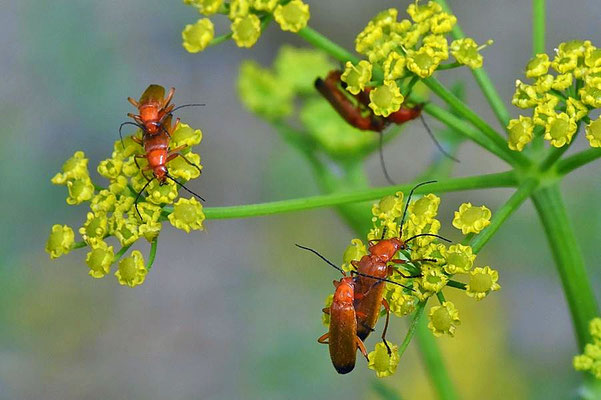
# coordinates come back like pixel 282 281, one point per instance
pixel 153 108
pixel 370 292
pixel 360 115
pixel 158 154
pixel 341 337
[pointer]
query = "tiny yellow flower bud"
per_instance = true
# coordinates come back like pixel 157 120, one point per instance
pixel 238 8
pixel 126 231
pixel 60 241
pixel 401 303
pixel 560 129
pixel 80 190
pixel 466 52
pixel 75 167
pixel 525 96
pixel 543 111
pixel 246 30
pixel 127 148
pixel 185 168
pixel 94 229
pixel 394 66
pixel 459 258
pixel 383 363
pixel 118 185
pixel 198 36
pixel 132 271
pixel 544 83
pixel 520 133
pixel 433 279
pixel 389 207
pixel 206 7
pixel 422 62
pixel 471 219
pixel 592 57
pixel 187 215
pixel 594 328
pixel 575 109
pixel 538 66
pixel 423 210
pixel 264 5
pixel 293 16
pixel 421 13
pixel 564 62
pixel 103 202
pixel 482 282
pixel 443 319
pixel 162 194
pixel 353 252
pixel 438 44
pixel 99 259
pixel 110 168
pixel 591 95
pixel 593 133
pixel 356 77
pixel 563 81
pixel 442 23
pixel 185 136
pixel 386 99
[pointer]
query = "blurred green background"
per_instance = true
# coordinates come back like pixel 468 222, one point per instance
pixel 234 312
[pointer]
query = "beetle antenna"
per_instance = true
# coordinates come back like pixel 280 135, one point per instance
pixel 436 142
pixel 409 199
pixel 127 123
pixel 427 234
pixel 186 105
pixel 138 198
pixel 382 163
pixel 185 188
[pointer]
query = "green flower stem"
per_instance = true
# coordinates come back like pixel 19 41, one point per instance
pixel 538 26
pixel 456 284
pixel 153 253
pixel 501 215
pixel 568 259
pixel 571 163
pixel 453 65
pixel 440 297
pixel 417 315
pixel 467 130
pixel 322 42
pixel 121 253
pixel 490 92
pixel 434 363
pixel 502 179
pixel 459 106
pixel 78 245
pixel 220 39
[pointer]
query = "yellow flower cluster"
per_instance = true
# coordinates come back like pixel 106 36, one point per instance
pixel 429 265
pixel 248 18
pixel 405 50
pixel 590 360
pixel 112 210
pixel 562 93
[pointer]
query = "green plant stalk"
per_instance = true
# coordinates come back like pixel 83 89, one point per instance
pixel 538 26
pixel 467 130
pixel 490 92
pixel 417 315
pixel 568 259
pixel 571 163
pixel 434 362
pixel 502 179
pixel 459 106
pixel 121 253
pixel 153 253
pixel 501 215
pixel 322 42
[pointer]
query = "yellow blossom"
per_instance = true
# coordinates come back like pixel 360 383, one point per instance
pixel 246 30
pixel 353 252
pixel 60 241
pixel 443 319
pixel 482 282
pixel 386 99
pixel 383 363
pixel 356 77
pixel 593 133
pixel 198 36
pixel 293 16
pixel 132 271
pixel 560 129
pixel 187 215
pixel 99 259
pixel 520 132
pixel 471 219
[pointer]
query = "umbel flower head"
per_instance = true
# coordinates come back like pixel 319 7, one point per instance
pixel 114 216
pixel 590 360
pixel 565 89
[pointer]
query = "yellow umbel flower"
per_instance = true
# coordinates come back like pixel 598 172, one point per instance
pixel 483 280
pixel 421 13
pixel 560 129
pixel 238 8
pixel 471 219
pixel 590 94
pixel 186 136
pixel 132 271
pixel 264 5
pixel 386 99
pixel 563 81
pixel 356 77
pixel 538 66
pixel 459 258
pixel 293 16
pixel 443 319
pixel 185 168
pixel 383 363
pixel 593 133
pixel 520 132
pixel 466 52
pixel 389 207
pixel 60 241
pixel 110 168
pixel 103 202
pixel 75 167
pixel 198 36
pixel 564 62
pixel 246 30
pixel 401 303
pixel 423 210
pixel 442 23
pixel 99 259
pixel 94 228
pixel 433 279
pixel 423 62
pixel 126 231
pixel 590 360
pixel 162 194
pixel 575 109
pixel 353 252
pixel 206 7
pixel 80 190
pixel 525 96
pixel 187 215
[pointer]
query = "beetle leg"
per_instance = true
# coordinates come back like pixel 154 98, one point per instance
pixel 387 308
pixel 360 314
pixel 361 347
pixel 323 339
pixel 133 102
pixel 326 310
pixel 169 97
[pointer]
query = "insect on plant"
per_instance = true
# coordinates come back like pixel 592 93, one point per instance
pixel 158 154
pixel 342 338
pixel 153 109
pixel 355 110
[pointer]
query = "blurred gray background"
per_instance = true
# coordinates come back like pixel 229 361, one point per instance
pixel 234 312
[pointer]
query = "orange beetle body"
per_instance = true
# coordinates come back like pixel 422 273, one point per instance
pixel 342 336
pixel 153 107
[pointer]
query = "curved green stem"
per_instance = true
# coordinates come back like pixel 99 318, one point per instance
pixel 321 42
pixel 501 215
pixel 490 92
pixel 121 252
pixel 153 253
pixel 568 260
pixel 538 26
pixel 78 245
pixel 459 106
pixel 417 315
pixel 503 179
pixel 571 163
pixel 434 363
